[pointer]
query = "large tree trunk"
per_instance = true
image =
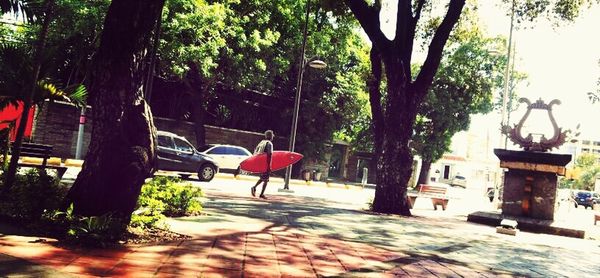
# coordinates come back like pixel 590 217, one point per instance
pixel 403 94
pixel 396 159
pixel 424 173
pixel 122 148
pixel 195 86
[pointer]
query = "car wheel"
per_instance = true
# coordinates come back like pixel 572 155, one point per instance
pixel 206 172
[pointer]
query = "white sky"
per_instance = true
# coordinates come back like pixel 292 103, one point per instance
pixel 562 63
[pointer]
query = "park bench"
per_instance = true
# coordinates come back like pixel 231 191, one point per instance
pixel 39 156
pixel 437 194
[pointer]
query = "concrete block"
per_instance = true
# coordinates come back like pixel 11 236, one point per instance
pixel 506 231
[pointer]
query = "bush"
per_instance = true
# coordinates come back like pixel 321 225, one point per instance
pixel 31 195
pixel 165 196
pixel 96 231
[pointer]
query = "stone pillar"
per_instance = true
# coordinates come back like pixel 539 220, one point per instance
pixel 530 183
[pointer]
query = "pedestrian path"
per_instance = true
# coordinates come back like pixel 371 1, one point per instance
pixel 295 236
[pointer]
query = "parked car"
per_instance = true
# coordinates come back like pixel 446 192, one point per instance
pixel 459 181
pixel 586 199
pixel 228 157
pixel 175 153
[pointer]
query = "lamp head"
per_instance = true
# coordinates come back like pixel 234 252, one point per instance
pixel 317 64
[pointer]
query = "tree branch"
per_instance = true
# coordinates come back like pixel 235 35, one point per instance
pixel 418 11
pixel 436 47
pixel 405 34
pixel 374 83
pixel 403 18
pixel 368 17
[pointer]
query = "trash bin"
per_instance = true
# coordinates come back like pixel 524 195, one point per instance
pixel 317 175
pixel 365 176
pixel 306 174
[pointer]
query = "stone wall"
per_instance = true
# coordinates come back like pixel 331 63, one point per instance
pixel 218 135
pixel 352 167
pixel 57 124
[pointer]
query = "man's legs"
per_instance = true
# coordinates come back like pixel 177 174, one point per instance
pixel 253 189
pixel 262 193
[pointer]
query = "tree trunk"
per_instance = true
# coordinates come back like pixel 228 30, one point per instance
pixel 122 149
pixel 195 87
pixel 424 173
pixel 374 85
pixel 403 94
pixel 27 102
pixel 396 159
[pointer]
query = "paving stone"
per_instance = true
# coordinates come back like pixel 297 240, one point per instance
pixel 91 265
pixel 215 272
pixel 223 262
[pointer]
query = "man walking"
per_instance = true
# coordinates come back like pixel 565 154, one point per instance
pixel 265 146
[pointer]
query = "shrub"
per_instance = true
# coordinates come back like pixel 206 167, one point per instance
pixel 33 193
pixel 165 196
pixel 89 231
pixel 370 204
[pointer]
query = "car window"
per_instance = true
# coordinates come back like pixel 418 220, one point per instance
pixel 183 146
pixel 204 148
pixel 234 151
pixel 165 142
pixel 218 150
pixel 240 151
pixel 584 195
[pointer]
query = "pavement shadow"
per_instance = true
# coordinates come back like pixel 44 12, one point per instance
pixel 322 217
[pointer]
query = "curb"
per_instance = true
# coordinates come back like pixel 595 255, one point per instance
pixel 326 184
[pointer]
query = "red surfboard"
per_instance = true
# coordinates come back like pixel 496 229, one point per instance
pixel 279 160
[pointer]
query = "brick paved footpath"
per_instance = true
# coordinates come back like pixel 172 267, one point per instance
pixel 287 236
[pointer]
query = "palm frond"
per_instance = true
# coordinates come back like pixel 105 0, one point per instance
pixel 77 94
pixel 28 9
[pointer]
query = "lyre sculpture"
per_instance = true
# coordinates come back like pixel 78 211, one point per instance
pixel 528 143
pixel 530 181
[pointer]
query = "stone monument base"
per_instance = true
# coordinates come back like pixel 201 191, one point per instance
pixel 528 224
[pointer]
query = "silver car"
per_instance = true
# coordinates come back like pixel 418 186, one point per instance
pixel 175 153
pixel 228 157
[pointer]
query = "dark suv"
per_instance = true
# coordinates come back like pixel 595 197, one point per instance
pixel 175 153
pixel 586 199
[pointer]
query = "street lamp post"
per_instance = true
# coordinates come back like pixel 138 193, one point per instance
pixel 314 63
pixel 504 138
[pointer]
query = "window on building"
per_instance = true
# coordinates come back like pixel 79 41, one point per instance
pixel 585 142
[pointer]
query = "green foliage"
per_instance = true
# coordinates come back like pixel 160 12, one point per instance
pixel 586 160
pixel 587 169
pixel 16 69
pixel 165 196
pixel 557 11
pixel 33 193
pixel 88 231
pixel 463 85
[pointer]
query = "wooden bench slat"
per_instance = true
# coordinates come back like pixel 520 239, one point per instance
pixel 40 156
pixel 437 194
